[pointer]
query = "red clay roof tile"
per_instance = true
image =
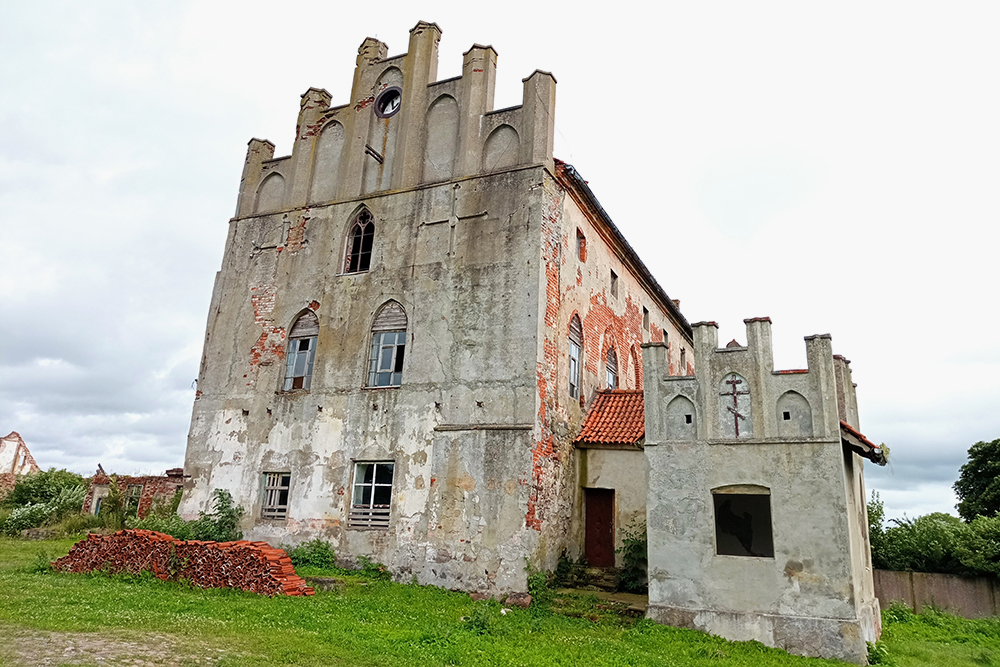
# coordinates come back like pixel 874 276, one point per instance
pixel 616 417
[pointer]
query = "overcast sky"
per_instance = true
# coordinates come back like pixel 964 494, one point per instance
pixel 833 167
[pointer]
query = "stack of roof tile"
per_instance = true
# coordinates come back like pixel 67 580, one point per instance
pixel 251 566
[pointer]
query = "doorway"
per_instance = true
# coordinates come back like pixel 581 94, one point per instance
pixel 599 541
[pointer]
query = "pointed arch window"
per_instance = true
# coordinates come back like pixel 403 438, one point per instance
pixel 359 243
pixel 575 352
pixel 385 367
pixel 612 368
pixel 301 352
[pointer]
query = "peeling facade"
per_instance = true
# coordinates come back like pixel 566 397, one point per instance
pixel 757 520
pixel 15 461
pixel 387 359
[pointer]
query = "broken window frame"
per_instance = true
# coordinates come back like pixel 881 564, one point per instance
pixel 575 354
pixel 275 494
pixel 611 366
pixel 301 353
pixel 133 494
pixel 360 240
pixel 388 347
pixel 371 494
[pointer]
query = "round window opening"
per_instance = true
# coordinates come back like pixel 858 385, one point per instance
pixel 387 103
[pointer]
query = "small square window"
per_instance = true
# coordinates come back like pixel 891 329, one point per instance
pixel 371 498
pixel 743 525
pixel 614 284
pixel 787 416
pixel 687 419
pixel 274 504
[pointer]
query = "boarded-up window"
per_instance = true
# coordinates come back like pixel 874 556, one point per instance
pixel 575 350
pixel 385 368
pixel 372 495
pixel 301 352
pixel 359 243
pixel 612 369
pixel 274 504
pixel 743 523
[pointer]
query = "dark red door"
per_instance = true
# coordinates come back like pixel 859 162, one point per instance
pixel 599 544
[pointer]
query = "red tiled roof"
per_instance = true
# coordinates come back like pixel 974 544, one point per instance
pixel 615 418
pixel 861 444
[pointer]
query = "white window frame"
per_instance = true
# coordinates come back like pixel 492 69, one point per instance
pixel 365 512
pixel 574 369
pixel 612 375
pixel 299 363
pixel 388 352
pixel 271 505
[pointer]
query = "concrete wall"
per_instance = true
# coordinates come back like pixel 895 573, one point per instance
pixel 810 597
pixel 969 597
pixel 624 471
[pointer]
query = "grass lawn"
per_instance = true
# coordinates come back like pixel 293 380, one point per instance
pixel 50 618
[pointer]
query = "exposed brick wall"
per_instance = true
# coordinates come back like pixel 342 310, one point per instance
pixel 154 487
pixel 256 567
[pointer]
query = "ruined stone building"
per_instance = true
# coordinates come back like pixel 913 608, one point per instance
pixel 139 492
pixel 425 345
pixel 414 310
pixel 15 461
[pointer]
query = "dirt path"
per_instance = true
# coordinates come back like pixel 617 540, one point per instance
pixel 37 647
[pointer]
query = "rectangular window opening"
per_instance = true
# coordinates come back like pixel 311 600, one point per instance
pixel 645 318
pixel 687 419
pixel 386 361
pixel 371 497
pixel 581 246
pixel 743 525
pixel 614 284
pixel 299 364
pixel 274 504
pixel 786 415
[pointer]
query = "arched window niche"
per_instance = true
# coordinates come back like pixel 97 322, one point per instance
pixel 360 239
pixel 385 363
pixel 301 352
pixel 575 356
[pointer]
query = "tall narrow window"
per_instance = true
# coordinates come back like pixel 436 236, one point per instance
pixel 372 495
pixel 359 243
pixel 612 368
pixel 614 284
pixel 684 363
pixel 301 352
pixel 645 318
pixel 581 246
pixel 385 367
pixel 274 503
pixel 575 350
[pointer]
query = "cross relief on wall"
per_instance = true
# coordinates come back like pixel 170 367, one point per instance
pixel 454 219
pixel 734 407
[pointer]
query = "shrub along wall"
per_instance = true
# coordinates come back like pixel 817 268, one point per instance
pixel 251 566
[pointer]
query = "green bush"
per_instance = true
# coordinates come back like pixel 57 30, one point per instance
pixel 172 525
pixel 40 487
pixel 314 553
pixel 373 570
pixel 634 549
pixel 222 523
pixel 67 501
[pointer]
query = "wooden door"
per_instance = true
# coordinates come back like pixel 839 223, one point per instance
pixel 599 544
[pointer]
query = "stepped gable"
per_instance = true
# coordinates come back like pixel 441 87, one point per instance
pixel 256 567
pixel 616 417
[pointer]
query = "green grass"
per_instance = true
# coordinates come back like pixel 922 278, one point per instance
pixel 382 623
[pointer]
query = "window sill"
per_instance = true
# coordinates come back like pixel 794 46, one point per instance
pixel 394 386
